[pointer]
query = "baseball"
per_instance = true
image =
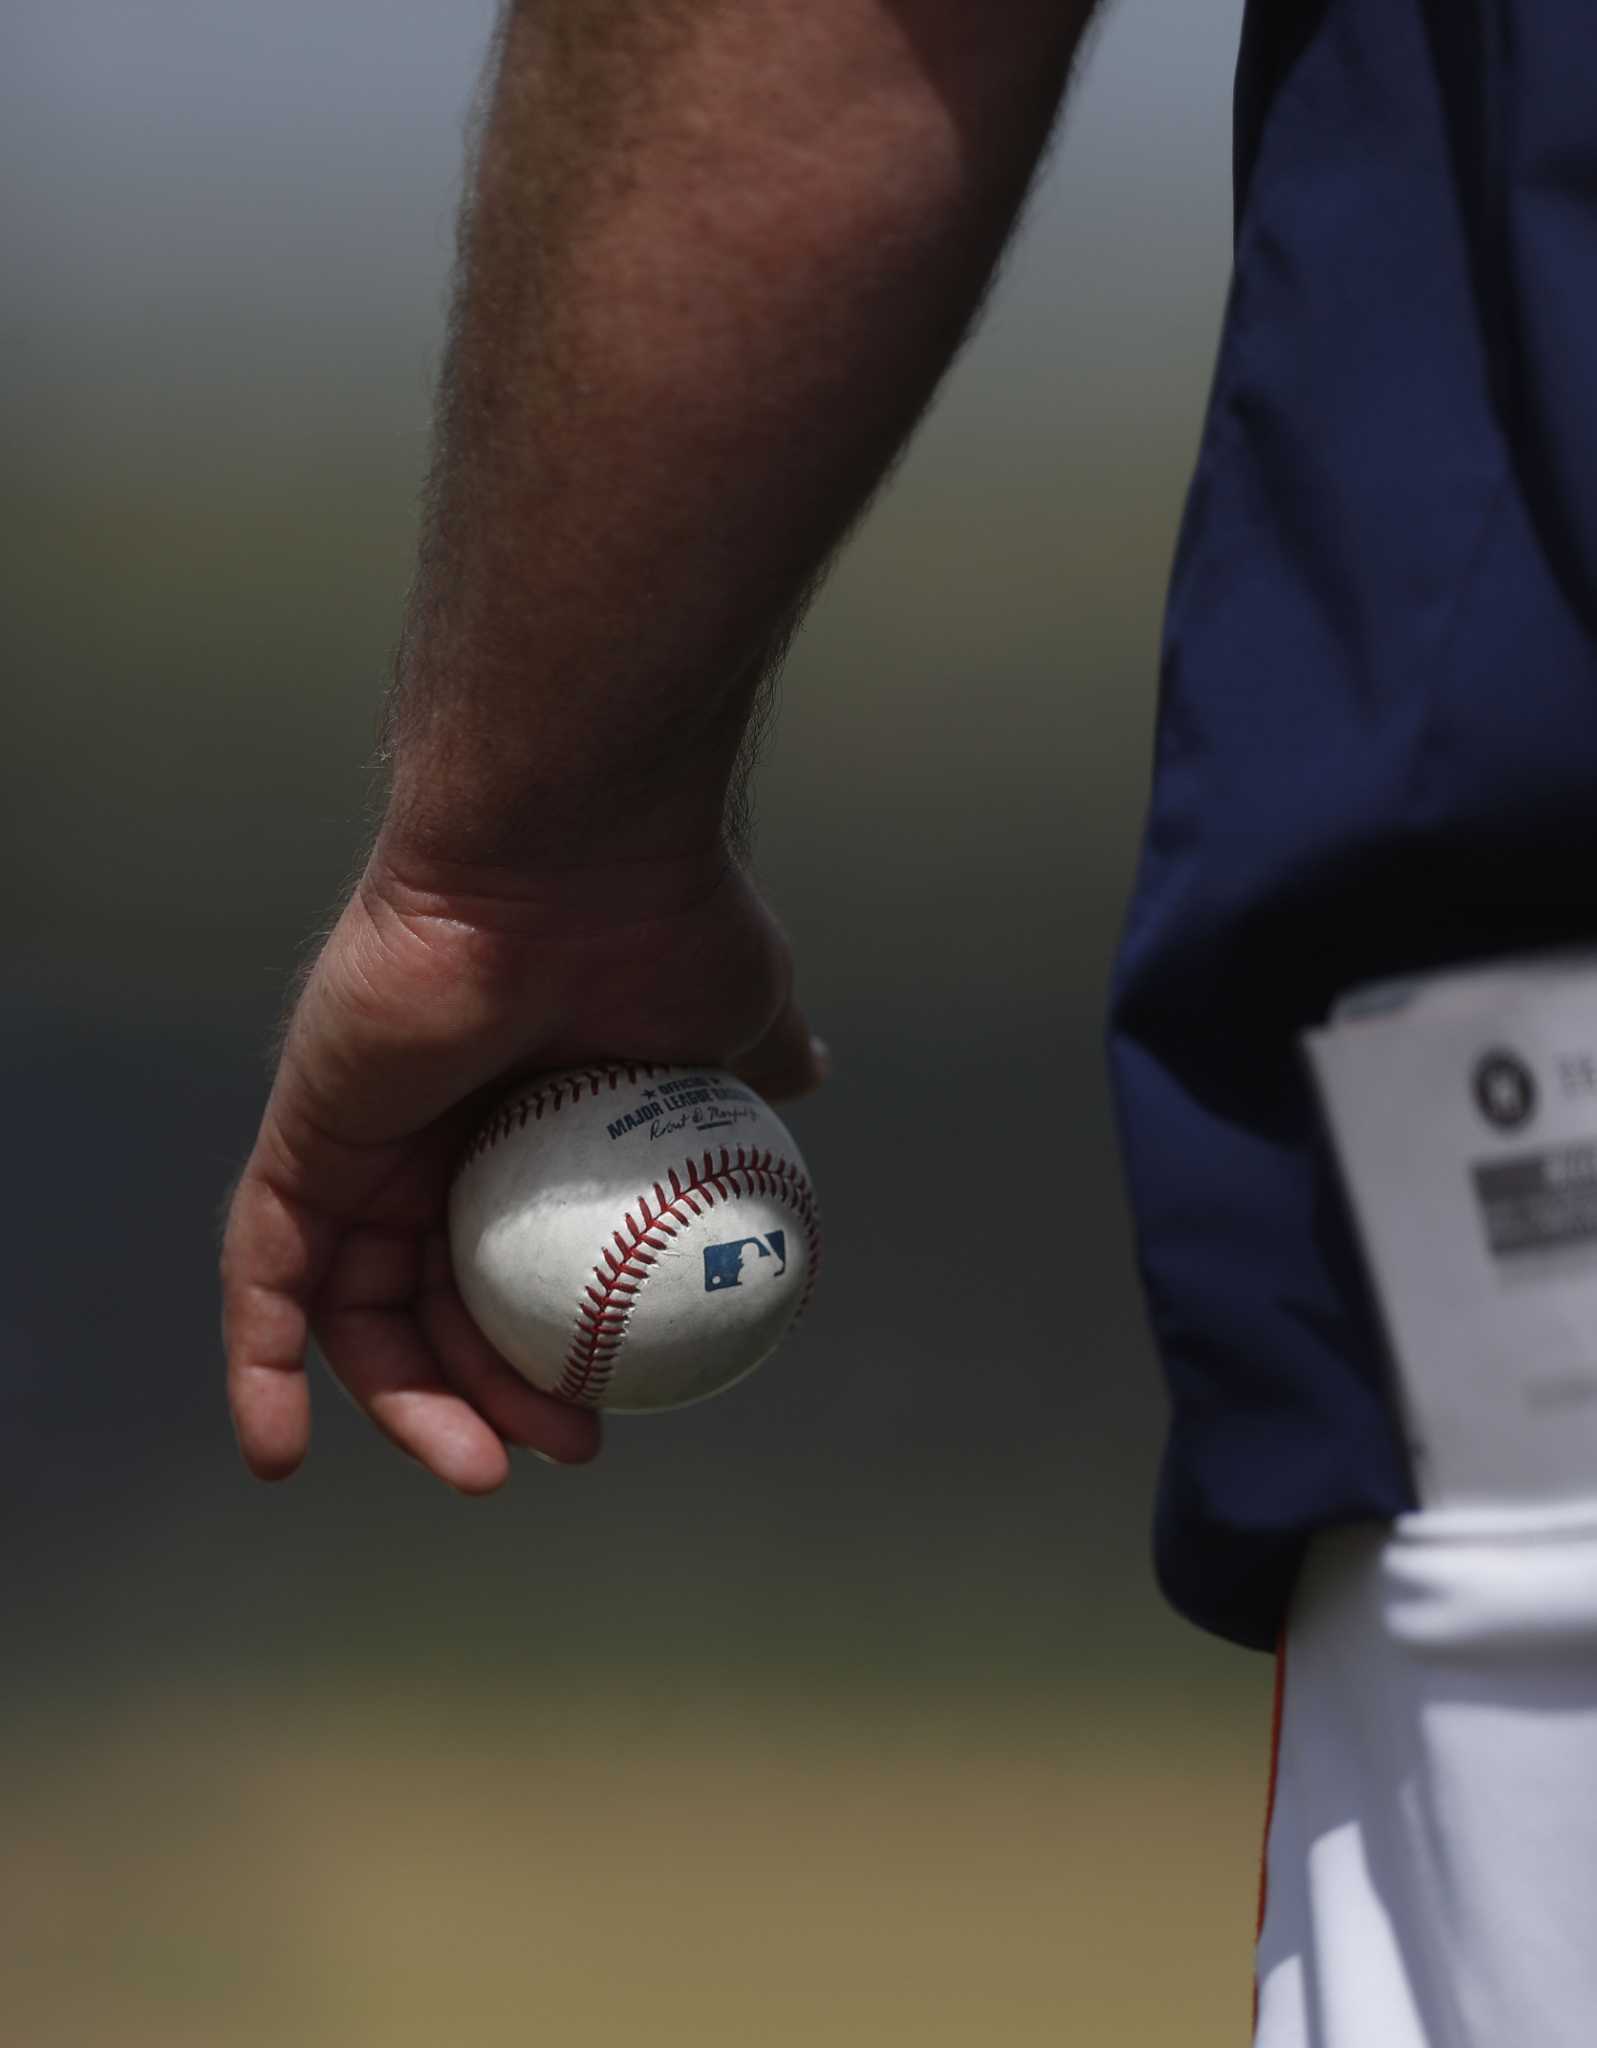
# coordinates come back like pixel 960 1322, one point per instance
pixel 633 1237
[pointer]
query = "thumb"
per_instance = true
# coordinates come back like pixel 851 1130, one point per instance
pixel 789 1060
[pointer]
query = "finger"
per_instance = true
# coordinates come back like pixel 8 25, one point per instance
pixel 520 1412
pixel 274 1254
pixel 367 1326
pixel 789 1060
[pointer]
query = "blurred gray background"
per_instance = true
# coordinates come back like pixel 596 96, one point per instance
pixel 842 1709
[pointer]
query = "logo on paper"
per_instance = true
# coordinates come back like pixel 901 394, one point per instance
pixel 1505 1090
pixel 724 1264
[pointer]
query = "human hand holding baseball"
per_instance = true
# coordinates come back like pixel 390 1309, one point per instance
pixel 710 282
pixel 421 1003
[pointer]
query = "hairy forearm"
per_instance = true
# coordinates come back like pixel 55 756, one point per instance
pixel 717 255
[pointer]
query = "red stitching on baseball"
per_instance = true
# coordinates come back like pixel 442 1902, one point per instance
pixel 556 1093
pixel 607 1304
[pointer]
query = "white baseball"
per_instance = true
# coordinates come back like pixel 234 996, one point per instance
pixel 633 1237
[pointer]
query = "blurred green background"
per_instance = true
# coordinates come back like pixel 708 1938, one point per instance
pixel 842 1710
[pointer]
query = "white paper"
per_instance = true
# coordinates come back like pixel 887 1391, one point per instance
pixel 1463 1112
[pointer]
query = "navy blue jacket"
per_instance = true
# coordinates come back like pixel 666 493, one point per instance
pixel 1377 734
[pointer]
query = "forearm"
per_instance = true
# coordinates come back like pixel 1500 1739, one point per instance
pixel 719 253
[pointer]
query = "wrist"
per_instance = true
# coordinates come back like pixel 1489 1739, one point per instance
pixel 528 790
pixel 529 890
pixel 671 958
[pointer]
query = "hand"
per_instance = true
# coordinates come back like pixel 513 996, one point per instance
pixel 432 993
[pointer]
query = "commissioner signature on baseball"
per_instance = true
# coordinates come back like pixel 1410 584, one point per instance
pixel 698 1103
pixel 721 1118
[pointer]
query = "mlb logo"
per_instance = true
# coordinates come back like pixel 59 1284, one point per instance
pixel 724 1264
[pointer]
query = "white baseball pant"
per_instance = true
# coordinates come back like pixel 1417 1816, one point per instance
pixel 1431 1858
